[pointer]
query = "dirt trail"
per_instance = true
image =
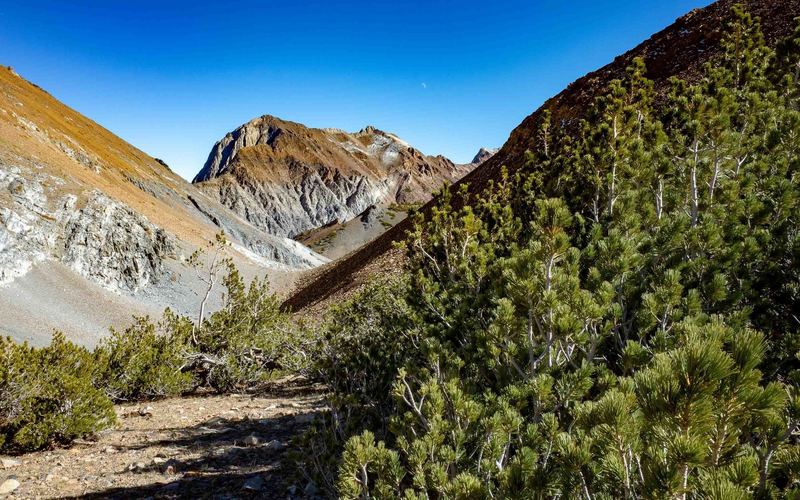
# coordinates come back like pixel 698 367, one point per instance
pixel 209 446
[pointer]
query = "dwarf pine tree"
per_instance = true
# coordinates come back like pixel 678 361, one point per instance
pixel 617 319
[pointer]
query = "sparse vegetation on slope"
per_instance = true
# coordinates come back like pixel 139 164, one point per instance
pixel 55 394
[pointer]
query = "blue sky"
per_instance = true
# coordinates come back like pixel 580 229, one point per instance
pixel 448 76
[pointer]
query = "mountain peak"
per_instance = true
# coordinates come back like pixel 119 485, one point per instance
pixel 483 155
pixel 288 179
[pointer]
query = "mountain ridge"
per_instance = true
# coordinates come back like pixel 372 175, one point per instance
pixel 79 202
pixel 678 50
pixel 288 179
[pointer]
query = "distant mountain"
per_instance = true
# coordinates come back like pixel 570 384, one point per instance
pixel 93 229
pixel 288 179
pixel 679 50
pixel 483 155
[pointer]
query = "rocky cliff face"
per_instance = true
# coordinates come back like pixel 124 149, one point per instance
pixel 102 240
pixel 287 179
pixel 56 156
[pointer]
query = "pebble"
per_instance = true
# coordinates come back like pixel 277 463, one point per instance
pixel 159 460
pixel 275 445
pixel 9 463
pixel 251 440
pixel 8 486
pixel 255 483
pixel 110 449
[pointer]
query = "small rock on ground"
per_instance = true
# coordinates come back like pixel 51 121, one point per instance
pixel 8 486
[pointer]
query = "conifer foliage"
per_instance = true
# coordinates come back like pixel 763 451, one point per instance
pixel 55 394
pixel 619 319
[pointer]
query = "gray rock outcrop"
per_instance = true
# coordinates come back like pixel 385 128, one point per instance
pixel 111 244
pixel 104 240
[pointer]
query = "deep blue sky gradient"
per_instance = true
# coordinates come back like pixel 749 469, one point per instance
pixel 448 76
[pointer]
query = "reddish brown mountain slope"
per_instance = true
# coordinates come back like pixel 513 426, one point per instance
pixel 679 50
pixel 288 179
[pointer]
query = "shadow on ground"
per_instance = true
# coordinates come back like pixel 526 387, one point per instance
pixel 239 459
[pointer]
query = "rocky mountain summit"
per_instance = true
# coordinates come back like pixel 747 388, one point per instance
pixel 483 155
pixel 286 178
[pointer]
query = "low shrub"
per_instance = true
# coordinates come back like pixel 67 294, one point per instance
pixel 242 344
pixel 47 396
pixel 55 394
pixel 356 354
pixel 146 360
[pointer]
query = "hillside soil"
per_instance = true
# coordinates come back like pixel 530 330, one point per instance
pixel 207 446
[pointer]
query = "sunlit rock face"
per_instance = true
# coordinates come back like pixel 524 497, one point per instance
pixel 287 179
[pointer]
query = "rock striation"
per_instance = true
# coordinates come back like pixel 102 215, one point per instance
pixel 111 244
pixel 103 240
pixel 287 179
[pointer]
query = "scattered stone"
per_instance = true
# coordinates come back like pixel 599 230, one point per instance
pixel 8 486
pixel 170 470
pixel 275 445
pixel 255 483
pixel 110 449
pixel 136 466
pixel 9 463
pixel 216 421
pixel 159 460
pixel 146 411
pixel 251 440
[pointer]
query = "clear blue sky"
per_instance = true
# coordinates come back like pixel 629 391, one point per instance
pixel 448 76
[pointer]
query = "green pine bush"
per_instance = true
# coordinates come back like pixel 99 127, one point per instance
pixel 47 396
pixel 145 360
pixel 618 319
pixel 247 341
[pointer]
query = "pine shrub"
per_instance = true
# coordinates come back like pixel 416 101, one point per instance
pixel 616 319
pixel 47 396
pixel 145 360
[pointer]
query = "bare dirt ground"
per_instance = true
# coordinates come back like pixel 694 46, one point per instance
pixel 209 446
